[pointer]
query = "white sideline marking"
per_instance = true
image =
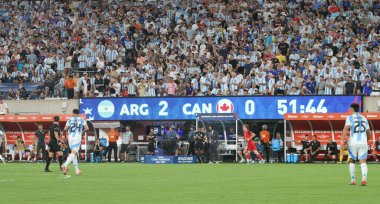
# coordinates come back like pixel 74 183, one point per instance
pixel 5 180
pixel 17 173
pixel 65 177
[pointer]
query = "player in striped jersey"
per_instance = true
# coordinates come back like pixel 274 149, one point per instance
pixel 357 143
pixel 75 126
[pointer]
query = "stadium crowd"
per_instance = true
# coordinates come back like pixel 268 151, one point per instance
pixel 119 48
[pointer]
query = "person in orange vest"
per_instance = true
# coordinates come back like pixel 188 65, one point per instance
pixel 113 135
pixel 265 138
pixel 70 84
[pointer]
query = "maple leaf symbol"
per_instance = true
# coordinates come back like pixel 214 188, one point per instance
pixel 224 107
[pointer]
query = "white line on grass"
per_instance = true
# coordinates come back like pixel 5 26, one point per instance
pixel 5 180
pixel 65 177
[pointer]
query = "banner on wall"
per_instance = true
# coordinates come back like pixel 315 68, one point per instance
pixel 186 108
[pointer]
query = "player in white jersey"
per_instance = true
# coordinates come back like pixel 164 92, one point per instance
pixel 75 126
pixel 357 142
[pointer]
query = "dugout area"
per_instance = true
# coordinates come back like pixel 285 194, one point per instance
pixel 24 126
pixel 324 126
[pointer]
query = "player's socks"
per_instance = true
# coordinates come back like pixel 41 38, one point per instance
pixel 69 159
pixel 2 159
pixel 259 156
pixel 340 158
pixel 60 159
pixel 248 156
pixel 352 171
pixel 75 163
pixel 364 171
pixel 47 163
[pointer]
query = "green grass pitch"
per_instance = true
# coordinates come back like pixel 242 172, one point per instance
pixel 112 183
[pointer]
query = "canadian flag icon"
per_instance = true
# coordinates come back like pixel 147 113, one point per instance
pixel 224 106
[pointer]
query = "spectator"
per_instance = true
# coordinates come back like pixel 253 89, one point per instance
pixel 70 85
pixel 350 86
pixel 331 150
pixel 314 148
pixel 113 136
pixel 311 86
pixel 367 85
pixel 305 38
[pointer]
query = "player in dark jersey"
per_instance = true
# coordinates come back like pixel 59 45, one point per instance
pixel 199 143
pixel 331 149
pixel 305 147
pixel 376 149
pixel 152 139
pixel 54 144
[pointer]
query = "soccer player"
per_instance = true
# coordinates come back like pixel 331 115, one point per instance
pixel 152 139
pixel 54 148
pixel 315 146
pixel 75 126
pixel 331 150
pixel 357 143
pixel 305 148
pixel 376 150
pixel 251 147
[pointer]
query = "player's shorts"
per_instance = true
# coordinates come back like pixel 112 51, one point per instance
pixel 333 152
pixel 54 147
pixel 75 145
pixel 343 152
pixel 124 148
pixel 302 151
pixel 251 146
pixel 357 151
pixel 198 145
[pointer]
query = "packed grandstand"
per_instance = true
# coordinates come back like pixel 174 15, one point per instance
pixel 120 48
